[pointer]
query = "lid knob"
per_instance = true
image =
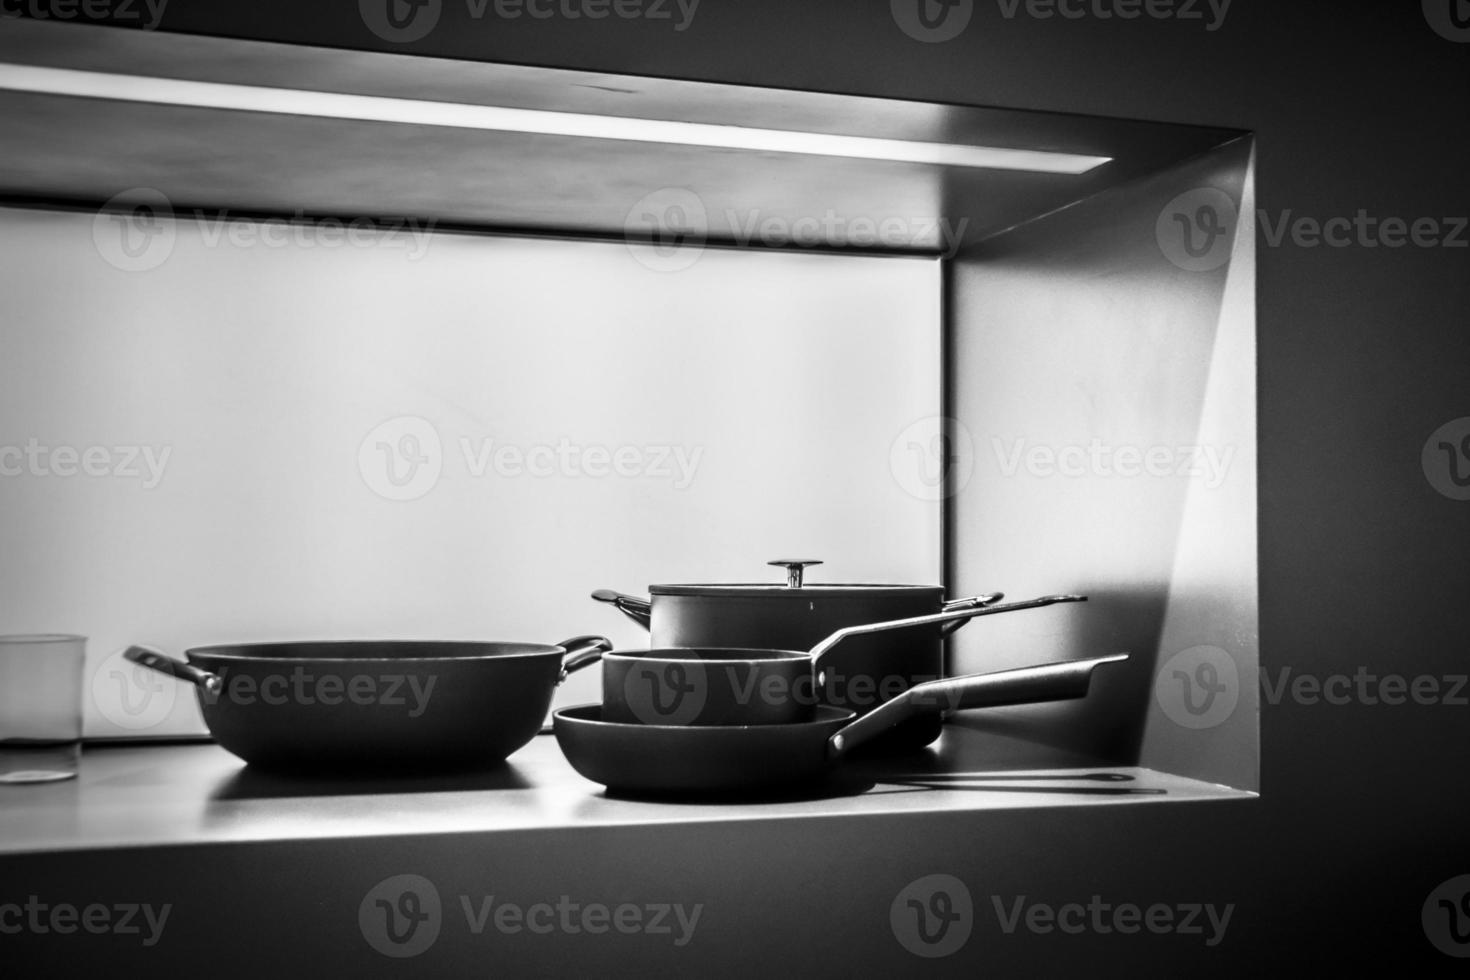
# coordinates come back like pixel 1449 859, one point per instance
pixel 795 569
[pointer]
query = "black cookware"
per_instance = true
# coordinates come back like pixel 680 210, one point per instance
pixel 683 759
pixel 376 704
pixel 735 686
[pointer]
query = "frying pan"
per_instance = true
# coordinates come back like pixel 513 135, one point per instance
pixel 375 705
pixel 674 759
pixel 733 686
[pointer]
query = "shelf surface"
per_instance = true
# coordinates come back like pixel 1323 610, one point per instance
pixel 137 796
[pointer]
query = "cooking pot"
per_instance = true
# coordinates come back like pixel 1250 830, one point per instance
pixel 378 705
pixel 735 686
pixel 796 615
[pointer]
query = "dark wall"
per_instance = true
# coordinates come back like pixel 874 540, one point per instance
pixel 1364 352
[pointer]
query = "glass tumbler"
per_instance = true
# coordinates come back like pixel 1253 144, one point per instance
pixel 40 707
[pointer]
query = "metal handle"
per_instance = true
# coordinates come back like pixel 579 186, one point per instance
pixel 153 660
pixel 1065 680
pixel 582 651
pixel 638 610
pixel 795 569
pixel 973 602
pixel 821 649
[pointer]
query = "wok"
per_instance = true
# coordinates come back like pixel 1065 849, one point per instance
pixel 378 705
pixel 683 759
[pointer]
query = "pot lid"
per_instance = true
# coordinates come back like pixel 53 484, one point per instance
pixel 794 586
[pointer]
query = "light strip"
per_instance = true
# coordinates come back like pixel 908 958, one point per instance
pixel 455 115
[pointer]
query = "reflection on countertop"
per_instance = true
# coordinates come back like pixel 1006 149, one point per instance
pixel 161 795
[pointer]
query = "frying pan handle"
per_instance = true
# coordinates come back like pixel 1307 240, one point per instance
pixel 638 610
pixel 153 660
pixel 973 602
pixel 818 651
pixel 1063 681
pixel 582 651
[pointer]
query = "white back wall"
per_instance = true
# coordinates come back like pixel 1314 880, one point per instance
pixel 255 441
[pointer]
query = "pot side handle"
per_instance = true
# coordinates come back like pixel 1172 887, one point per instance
pixel 582 651
pixel 638 610
pixel 153 660
pixel 1065 680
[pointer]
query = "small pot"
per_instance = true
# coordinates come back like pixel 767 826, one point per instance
pixel 735 686
pixel 796 615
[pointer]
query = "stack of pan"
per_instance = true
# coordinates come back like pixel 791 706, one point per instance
pixel 731 704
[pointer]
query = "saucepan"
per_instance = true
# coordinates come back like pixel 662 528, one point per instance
pixel 737 686
pixel 377 705
pixel 797 614
pixel 685 759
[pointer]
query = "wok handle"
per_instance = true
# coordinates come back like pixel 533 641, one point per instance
pixel 153 660
pixel 638 610
pixel 582 651
pixel 1065 680
pixel 973 602
pixel 822 648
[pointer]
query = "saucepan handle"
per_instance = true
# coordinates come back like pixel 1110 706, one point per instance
pixel 153 660
pixel 1063 681
pixel 582 651
pixel 638 610
pixel 973 602
pixel 818 651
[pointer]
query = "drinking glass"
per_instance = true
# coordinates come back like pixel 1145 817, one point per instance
pixel 40 707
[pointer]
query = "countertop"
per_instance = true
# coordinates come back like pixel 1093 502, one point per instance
pixel 133 796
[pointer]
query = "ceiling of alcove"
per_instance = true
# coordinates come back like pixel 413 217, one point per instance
pixel 83 151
